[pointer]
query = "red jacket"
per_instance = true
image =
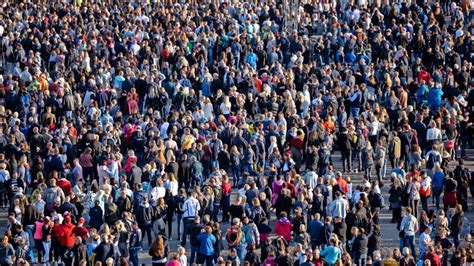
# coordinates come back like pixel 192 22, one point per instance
pixel 283 229
pixel 433 258
pixel 67 237
pixel 65 185
pixel 226 188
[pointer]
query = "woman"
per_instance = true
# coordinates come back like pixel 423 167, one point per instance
pixel 395 200
pixel 415 156
pixel 303 237
pixel 414 194
pixel 46 241
pixel 438 177
pixel 331 253
pixel 123 236
pixel 235 165
pixel 158 251
pixel 160 213
pixel 425 191
pixel 87 163
pixel 424 222
pixel 367 159
pixel 38 236
pixel 170 201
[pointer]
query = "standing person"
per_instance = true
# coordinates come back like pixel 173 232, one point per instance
pixel 457 223
pixel 158 251
pixel 360 248
pixel 346 150
pixel 368 159
pixel 196 172
pixel 395 200
pixel 79 252
pixel 409 227
pixel 194 232
pixel 38 237
pixel 394 149
pixel 7 253
pixel 67 240
pixel 135 244
pixel 191 208
pixel 225 202
pixel 206 246
pixel 425 190
pixel 144 216
pixel 46 241
pixel 379 160
pixel 414 194
pixel 438 178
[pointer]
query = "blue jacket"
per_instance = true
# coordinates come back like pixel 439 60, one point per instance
pixel 207 241
pixel 438 179
pixel 434 98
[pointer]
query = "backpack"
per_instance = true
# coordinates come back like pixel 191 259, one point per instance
pixel 425 192
pixel 377 200
pixel 234 236
pixel 217 194
pixel 258 214
pixel 432 159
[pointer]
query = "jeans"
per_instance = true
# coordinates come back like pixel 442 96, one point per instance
pixel 241 251
pixel 46 249
pixel 134 257
pixel 235 175
pixel 39 249
pixel 146 230
pixel 215 211
pixel 178 220
pixel 437 195
pixel 424 203
pixel 225 207
pixel 379 172
pixel 194 251
pixel 410 242
pixel 367 172
pixel 346 160
pixel 360 259
pixel 187 223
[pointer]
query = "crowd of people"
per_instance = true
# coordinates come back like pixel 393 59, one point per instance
pixel 125 125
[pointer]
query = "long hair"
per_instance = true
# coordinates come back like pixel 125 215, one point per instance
pixel 158 247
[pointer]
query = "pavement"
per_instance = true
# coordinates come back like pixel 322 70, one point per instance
pixel 389 232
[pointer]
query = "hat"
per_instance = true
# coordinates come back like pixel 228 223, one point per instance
pixel 81 220
pixel 47 218
pixel 55 217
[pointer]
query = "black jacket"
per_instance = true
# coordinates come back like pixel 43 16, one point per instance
pixel 360 245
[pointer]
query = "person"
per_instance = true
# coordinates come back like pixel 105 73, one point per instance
pixel 191 207
pixel 407 258
pixel 283 227
pixel 457 221
pixel 332 252
pixel 79 251
pixel 145 214
pixel 7 253
pixel 135 244
pixel 158 251
pixel 360 248
pixel 409 227
pixel 425 241
pixel 206 247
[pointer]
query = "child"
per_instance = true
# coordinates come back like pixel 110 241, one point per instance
pixel 182 256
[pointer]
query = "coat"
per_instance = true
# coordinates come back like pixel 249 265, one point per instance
pixel 283 229
pixel 395 148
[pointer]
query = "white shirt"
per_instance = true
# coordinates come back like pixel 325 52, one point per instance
pixel 191 207
pixel 433 134
pixel 173 187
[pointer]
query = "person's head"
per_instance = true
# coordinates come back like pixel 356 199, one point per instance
pixel 406 251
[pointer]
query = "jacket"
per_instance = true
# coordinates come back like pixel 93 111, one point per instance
pixel 283 229
pixel 409 225
pixel 67 238
pixel 395 148
pixel 206 243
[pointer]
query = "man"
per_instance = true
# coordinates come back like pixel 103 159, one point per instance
pixel 145 214
pixel 425 241
pixel 196 171
pixel 394 149
pixel 315 229
pixel 340 229
pixel 457 223
pixel 191 207
pixel 194 232
pixel 66 239
pixel 50 195
pixel 135 243
pixel 360 248
pixel 409 227
pixel 339 206
pixel 433 257
pixel 346 150
pixel 78 252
